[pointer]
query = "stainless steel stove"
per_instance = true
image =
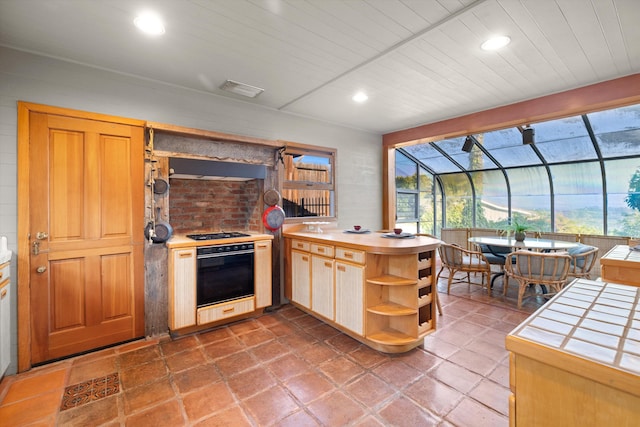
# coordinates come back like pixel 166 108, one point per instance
pixel 216 236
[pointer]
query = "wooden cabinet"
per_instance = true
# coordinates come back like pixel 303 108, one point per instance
pixel 400 303
pixel 182 288
pixel 621 265
pixel 5 318
pixel 575 362
pixel 262 273
pixel 350 296
pixel 385 300
pixel 301 278
pixel 322 285
pixel 183 305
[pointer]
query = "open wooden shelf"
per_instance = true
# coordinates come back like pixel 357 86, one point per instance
pixel 391 309
pixel 391 337
pixel 389 280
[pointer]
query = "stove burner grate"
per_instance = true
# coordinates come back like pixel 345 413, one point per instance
pixel 215 236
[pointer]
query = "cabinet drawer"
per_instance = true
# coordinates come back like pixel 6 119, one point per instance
pixel 323 250
pixel 300 245
pixel 222 311
pixel 4 272
pixel 350 255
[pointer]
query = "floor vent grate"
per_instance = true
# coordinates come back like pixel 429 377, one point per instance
pixel 89 391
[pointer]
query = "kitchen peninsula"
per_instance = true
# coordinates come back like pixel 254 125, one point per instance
pixel 379 290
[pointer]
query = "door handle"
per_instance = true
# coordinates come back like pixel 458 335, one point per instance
pixel 41 235
pixel 36 247
pixel 41 269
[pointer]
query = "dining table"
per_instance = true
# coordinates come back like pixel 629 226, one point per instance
pixel 531 244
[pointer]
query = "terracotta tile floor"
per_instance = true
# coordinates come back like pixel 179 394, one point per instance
pixel 286 368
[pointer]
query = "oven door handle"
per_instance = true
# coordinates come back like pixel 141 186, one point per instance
pixel 221 254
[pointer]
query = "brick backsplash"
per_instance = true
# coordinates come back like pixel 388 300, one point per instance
pixel 208 205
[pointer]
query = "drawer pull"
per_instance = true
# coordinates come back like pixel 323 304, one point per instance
pixel 327 264
pixel 1 274
pixel 305 258
pixel 320 249
pixel 263 246
pixel 186 255
pixel 3 294
pixel 342 268
pixel 229 310
pixel 300 245
pixel 348 254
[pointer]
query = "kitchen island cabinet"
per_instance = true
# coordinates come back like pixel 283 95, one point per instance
pixel 576 361
pixel 377 290
pixel 621 265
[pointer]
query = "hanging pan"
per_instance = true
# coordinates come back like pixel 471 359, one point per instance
pixel 272 197
pixel 160 232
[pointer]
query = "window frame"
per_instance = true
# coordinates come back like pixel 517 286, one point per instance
pixel 292 148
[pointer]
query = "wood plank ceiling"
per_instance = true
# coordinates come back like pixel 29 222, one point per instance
pixel 419 60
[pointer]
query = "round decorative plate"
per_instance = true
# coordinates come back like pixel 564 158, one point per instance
pixel 273 217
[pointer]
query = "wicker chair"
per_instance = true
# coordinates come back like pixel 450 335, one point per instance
pixel 456 259
pixel 536 268
pixel 583 258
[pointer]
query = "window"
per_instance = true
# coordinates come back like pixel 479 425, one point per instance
pixel 309 182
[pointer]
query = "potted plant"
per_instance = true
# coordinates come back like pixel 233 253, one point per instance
pixel 519 230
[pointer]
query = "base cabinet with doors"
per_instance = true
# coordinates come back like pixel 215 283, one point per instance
pixel 183 310
pixel 379 292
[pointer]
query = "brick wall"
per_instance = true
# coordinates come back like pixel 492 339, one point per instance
pixel 206 205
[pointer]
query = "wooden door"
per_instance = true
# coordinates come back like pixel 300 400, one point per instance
pixel 86 234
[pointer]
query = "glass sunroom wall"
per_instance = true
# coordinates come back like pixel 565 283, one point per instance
pixel 564 140
pixel 458 199
pixel 492 199
pixel 623 197
pixel 406 193
pixel 578 202
pixel 426 211
pixel 617 131
pixel 530 197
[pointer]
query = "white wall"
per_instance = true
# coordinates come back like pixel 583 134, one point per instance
pixel 36 79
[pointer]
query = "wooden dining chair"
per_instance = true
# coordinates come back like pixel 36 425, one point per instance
pixel 456 259
pixel 537 268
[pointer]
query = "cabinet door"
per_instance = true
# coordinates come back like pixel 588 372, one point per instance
pixel 322 292
pixel 5 351
pixel 262 273
pixel 350 296
pixel 182 288
pixel 301 278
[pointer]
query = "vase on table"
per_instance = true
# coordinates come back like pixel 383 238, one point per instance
pixel 520 235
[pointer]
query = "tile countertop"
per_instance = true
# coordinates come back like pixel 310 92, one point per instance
pixel 591 329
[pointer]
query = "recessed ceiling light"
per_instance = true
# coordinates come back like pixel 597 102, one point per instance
pixel 149 23
pixel 496 43
pixel 241 88
pixel 360 97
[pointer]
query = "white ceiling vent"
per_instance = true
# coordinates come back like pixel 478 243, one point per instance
pixel 241 88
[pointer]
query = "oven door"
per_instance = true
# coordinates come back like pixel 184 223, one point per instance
pixel 224 277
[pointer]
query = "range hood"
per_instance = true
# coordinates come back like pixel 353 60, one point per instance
pixel 214 170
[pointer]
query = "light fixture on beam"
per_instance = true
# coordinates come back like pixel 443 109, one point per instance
pixel 468 143
pixel 528 135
